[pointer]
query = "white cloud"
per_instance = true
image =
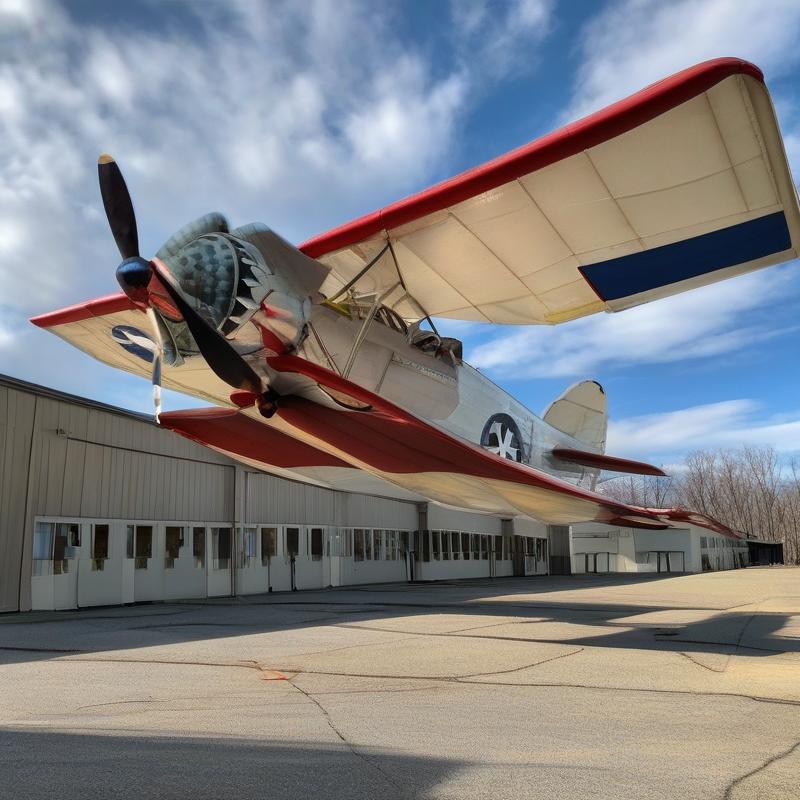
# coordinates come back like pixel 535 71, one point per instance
pixel 297 115
pixel 710 321
pixel 632 43
pixel 727 424
pixel 496 37
pixel 266 113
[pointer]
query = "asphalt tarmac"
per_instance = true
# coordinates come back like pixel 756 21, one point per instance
pixel 582 687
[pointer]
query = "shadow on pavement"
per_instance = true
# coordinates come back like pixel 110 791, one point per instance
pixel 36 764
pixel 30 637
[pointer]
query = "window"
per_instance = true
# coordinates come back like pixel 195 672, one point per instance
pixel 426 545
pixel 378 545
pixel 391 546
pixel 455 545
pixel 358 544
pixel 73 535
pixel 269 544
pixel 247 547
pixel 484 546
pixel 199 547
pixel 445 545
pixel 368 545
pixel 292 541
pixel 541 549
pixel 221 548
pixel 340 542
pixel 67 536
pixel 530 546
pixel 172 545
pixel 475 546
pixel 316 544
pixel 99 547
pixel 465 546
pixel 139 544
pixel 43 548
pixel 437 545
pixel 143 546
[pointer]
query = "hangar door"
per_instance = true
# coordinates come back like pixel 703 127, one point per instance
pixel 558 541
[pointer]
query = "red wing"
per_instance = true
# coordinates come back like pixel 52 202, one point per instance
pixel 227 430
pixel 399 447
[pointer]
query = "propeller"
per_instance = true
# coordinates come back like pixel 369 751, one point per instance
pixel 135 275
pixel 118 206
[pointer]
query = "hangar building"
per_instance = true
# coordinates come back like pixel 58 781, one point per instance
pixel 100 506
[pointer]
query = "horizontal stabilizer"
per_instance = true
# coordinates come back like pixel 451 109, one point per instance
pixel 602 461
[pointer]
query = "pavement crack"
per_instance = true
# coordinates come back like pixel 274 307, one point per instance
pixel 764 765
pixel 466 680
pixel 701 664
pixel 519 669
pixel 168 662
pixel 350 746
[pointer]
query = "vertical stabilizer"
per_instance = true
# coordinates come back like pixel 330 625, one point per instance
pixel 581 412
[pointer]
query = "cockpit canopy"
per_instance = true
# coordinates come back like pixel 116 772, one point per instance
pixel 427 340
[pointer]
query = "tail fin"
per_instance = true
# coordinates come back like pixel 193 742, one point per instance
pixel 581 412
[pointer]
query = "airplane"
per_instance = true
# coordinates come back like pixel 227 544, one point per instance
pixel 323 362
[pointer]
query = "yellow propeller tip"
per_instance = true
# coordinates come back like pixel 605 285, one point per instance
pixel 105 158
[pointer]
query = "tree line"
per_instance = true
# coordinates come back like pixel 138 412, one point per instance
pixel 748 489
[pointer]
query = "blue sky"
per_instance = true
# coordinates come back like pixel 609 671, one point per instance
pixel 304 115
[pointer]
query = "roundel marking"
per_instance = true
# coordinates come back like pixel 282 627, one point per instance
pixel 501 435
pixel 134 341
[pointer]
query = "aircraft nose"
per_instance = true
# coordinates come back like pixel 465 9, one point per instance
pixel 134 275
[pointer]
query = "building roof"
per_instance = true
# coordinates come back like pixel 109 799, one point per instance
pixel 55 394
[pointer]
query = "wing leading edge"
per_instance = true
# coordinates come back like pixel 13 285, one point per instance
pixel 682 184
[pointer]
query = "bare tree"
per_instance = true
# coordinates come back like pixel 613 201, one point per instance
pixel 748 489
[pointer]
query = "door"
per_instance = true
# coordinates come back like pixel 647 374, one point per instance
pixel 309 561
pixel 269 552
pixel 219 545
pixel 100 567
pixel 147 573
pixel 292 553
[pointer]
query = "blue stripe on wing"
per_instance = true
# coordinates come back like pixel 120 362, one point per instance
pixel 689 258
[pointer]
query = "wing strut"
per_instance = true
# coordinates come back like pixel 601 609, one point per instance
pixel 350 284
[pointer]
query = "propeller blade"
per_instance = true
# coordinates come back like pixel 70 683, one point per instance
pixel 118 206
pixel 158 355
pixel 220 355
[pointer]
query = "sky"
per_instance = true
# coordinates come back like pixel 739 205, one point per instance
pixel 303 115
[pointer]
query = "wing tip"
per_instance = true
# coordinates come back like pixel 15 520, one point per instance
pixel 100 306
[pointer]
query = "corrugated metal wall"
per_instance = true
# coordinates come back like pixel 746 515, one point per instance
pixel 16 428
pixel 66 457
pixel 450 519
pixel 271 499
